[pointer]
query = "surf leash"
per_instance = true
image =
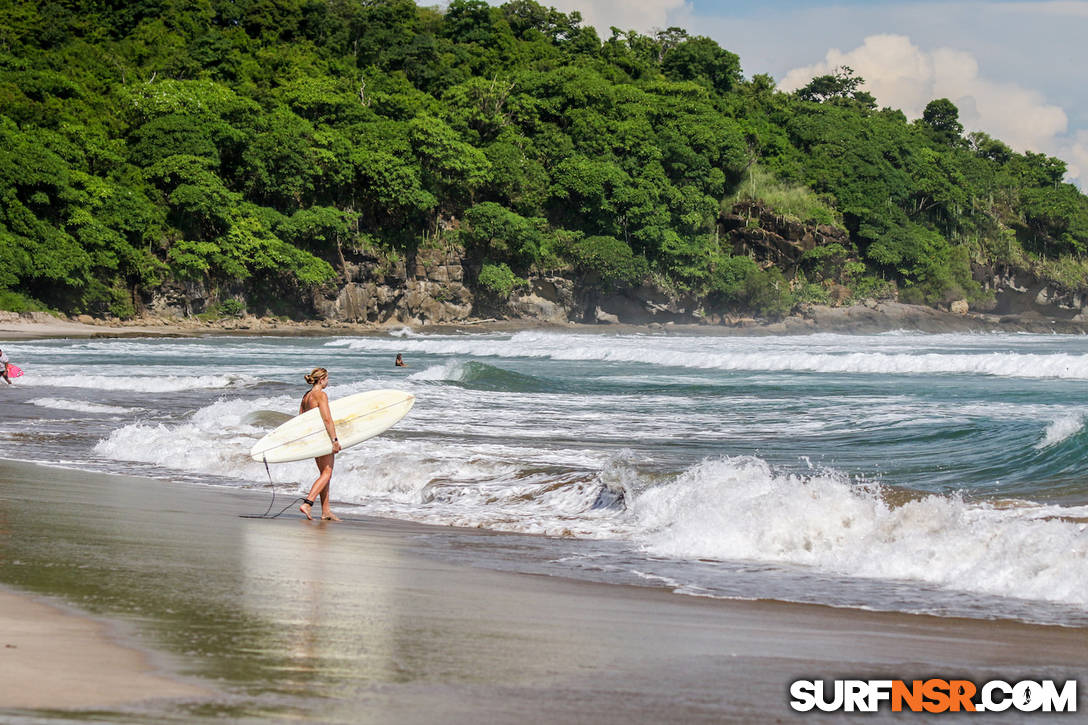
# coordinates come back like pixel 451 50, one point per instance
pixel 273 501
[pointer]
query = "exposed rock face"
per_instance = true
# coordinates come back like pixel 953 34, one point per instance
pixel 178 298
pixel 1022 293
pixel 753 228
pixel 35 316
pixel 534 307
pixel 427 288
pixel 647 304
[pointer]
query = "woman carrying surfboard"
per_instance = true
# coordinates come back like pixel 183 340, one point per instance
pixel 316 398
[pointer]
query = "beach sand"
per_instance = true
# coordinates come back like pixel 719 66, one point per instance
pixel 868 318
pixel 364 621
pixel 53 658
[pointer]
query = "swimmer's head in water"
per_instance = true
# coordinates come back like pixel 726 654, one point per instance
pixel 317 375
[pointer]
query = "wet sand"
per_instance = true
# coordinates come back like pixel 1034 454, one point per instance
pixel 54 658
pixel 362 621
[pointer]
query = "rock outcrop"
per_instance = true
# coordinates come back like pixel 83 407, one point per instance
pixel 177 298
pixel 1018 293
pixel 755 229
pixel 427 288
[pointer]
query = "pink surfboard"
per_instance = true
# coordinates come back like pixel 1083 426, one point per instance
pixel 14 371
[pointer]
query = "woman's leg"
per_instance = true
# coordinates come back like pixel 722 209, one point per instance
pixel 324 467
pixel 326 510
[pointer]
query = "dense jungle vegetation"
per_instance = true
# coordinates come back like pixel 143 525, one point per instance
pixel 262 140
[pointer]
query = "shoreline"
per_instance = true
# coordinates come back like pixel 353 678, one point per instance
pixel 81 658
pixel 856 319
pixel 314 621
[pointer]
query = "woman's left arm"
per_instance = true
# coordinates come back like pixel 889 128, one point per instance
pixel 326 417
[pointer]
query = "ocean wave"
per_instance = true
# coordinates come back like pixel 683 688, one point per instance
pixel 1060 430
pixel 742 509
pixel 266 418
pixel 440 481
pixel 736 509
pixel 79 406
pixel 447 371
pixel 481 376
pixel 835 355
pixel 146 384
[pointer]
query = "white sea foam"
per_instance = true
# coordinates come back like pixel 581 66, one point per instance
pixel 452 370
pixel 730 509
pixel 1060 430
pixel 828 354
pixel 79 406
pixel 741 509
pixel 145 383
pixel 215 441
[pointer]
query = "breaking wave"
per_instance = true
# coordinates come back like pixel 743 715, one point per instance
pixel 742 509
pixel 79 406
pixel 726 354
pixel 733 509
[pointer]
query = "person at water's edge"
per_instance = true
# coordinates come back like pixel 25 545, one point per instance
pixel 4 366
pixel 399 362
pixel 316 398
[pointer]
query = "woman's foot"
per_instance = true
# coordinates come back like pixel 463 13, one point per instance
pixel 307 504
pixel 329 516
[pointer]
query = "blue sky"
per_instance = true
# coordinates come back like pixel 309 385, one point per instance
pixel 1012 67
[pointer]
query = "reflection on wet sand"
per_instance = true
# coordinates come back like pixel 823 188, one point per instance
pixel 360 621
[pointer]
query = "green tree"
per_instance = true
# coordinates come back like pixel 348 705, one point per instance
pixel 500 235
pixel 942 119
pixel 840 84
pixel 608 261
pixel 702 60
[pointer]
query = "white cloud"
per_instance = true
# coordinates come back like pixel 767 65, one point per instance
pixel 640 15
pixel 1077 156
pixel 902 75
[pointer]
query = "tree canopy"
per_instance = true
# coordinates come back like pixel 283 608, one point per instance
pixel 251 142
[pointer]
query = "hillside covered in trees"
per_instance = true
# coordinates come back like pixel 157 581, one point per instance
pixel 256 145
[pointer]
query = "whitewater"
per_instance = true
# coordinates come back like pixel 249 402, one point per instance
pixel 922 473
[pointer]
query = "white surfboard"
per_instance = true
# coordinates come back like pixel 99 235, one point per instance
pixel 357 418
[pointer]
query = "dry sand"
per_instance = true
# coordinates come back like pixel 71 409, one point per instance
pixel 363 621
pixel 856 319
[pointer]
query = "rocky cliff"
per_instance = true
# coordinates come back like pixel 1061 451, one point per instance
pixel 427 287
pixel 433 286
pixel 430 287
pixel 1021 293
